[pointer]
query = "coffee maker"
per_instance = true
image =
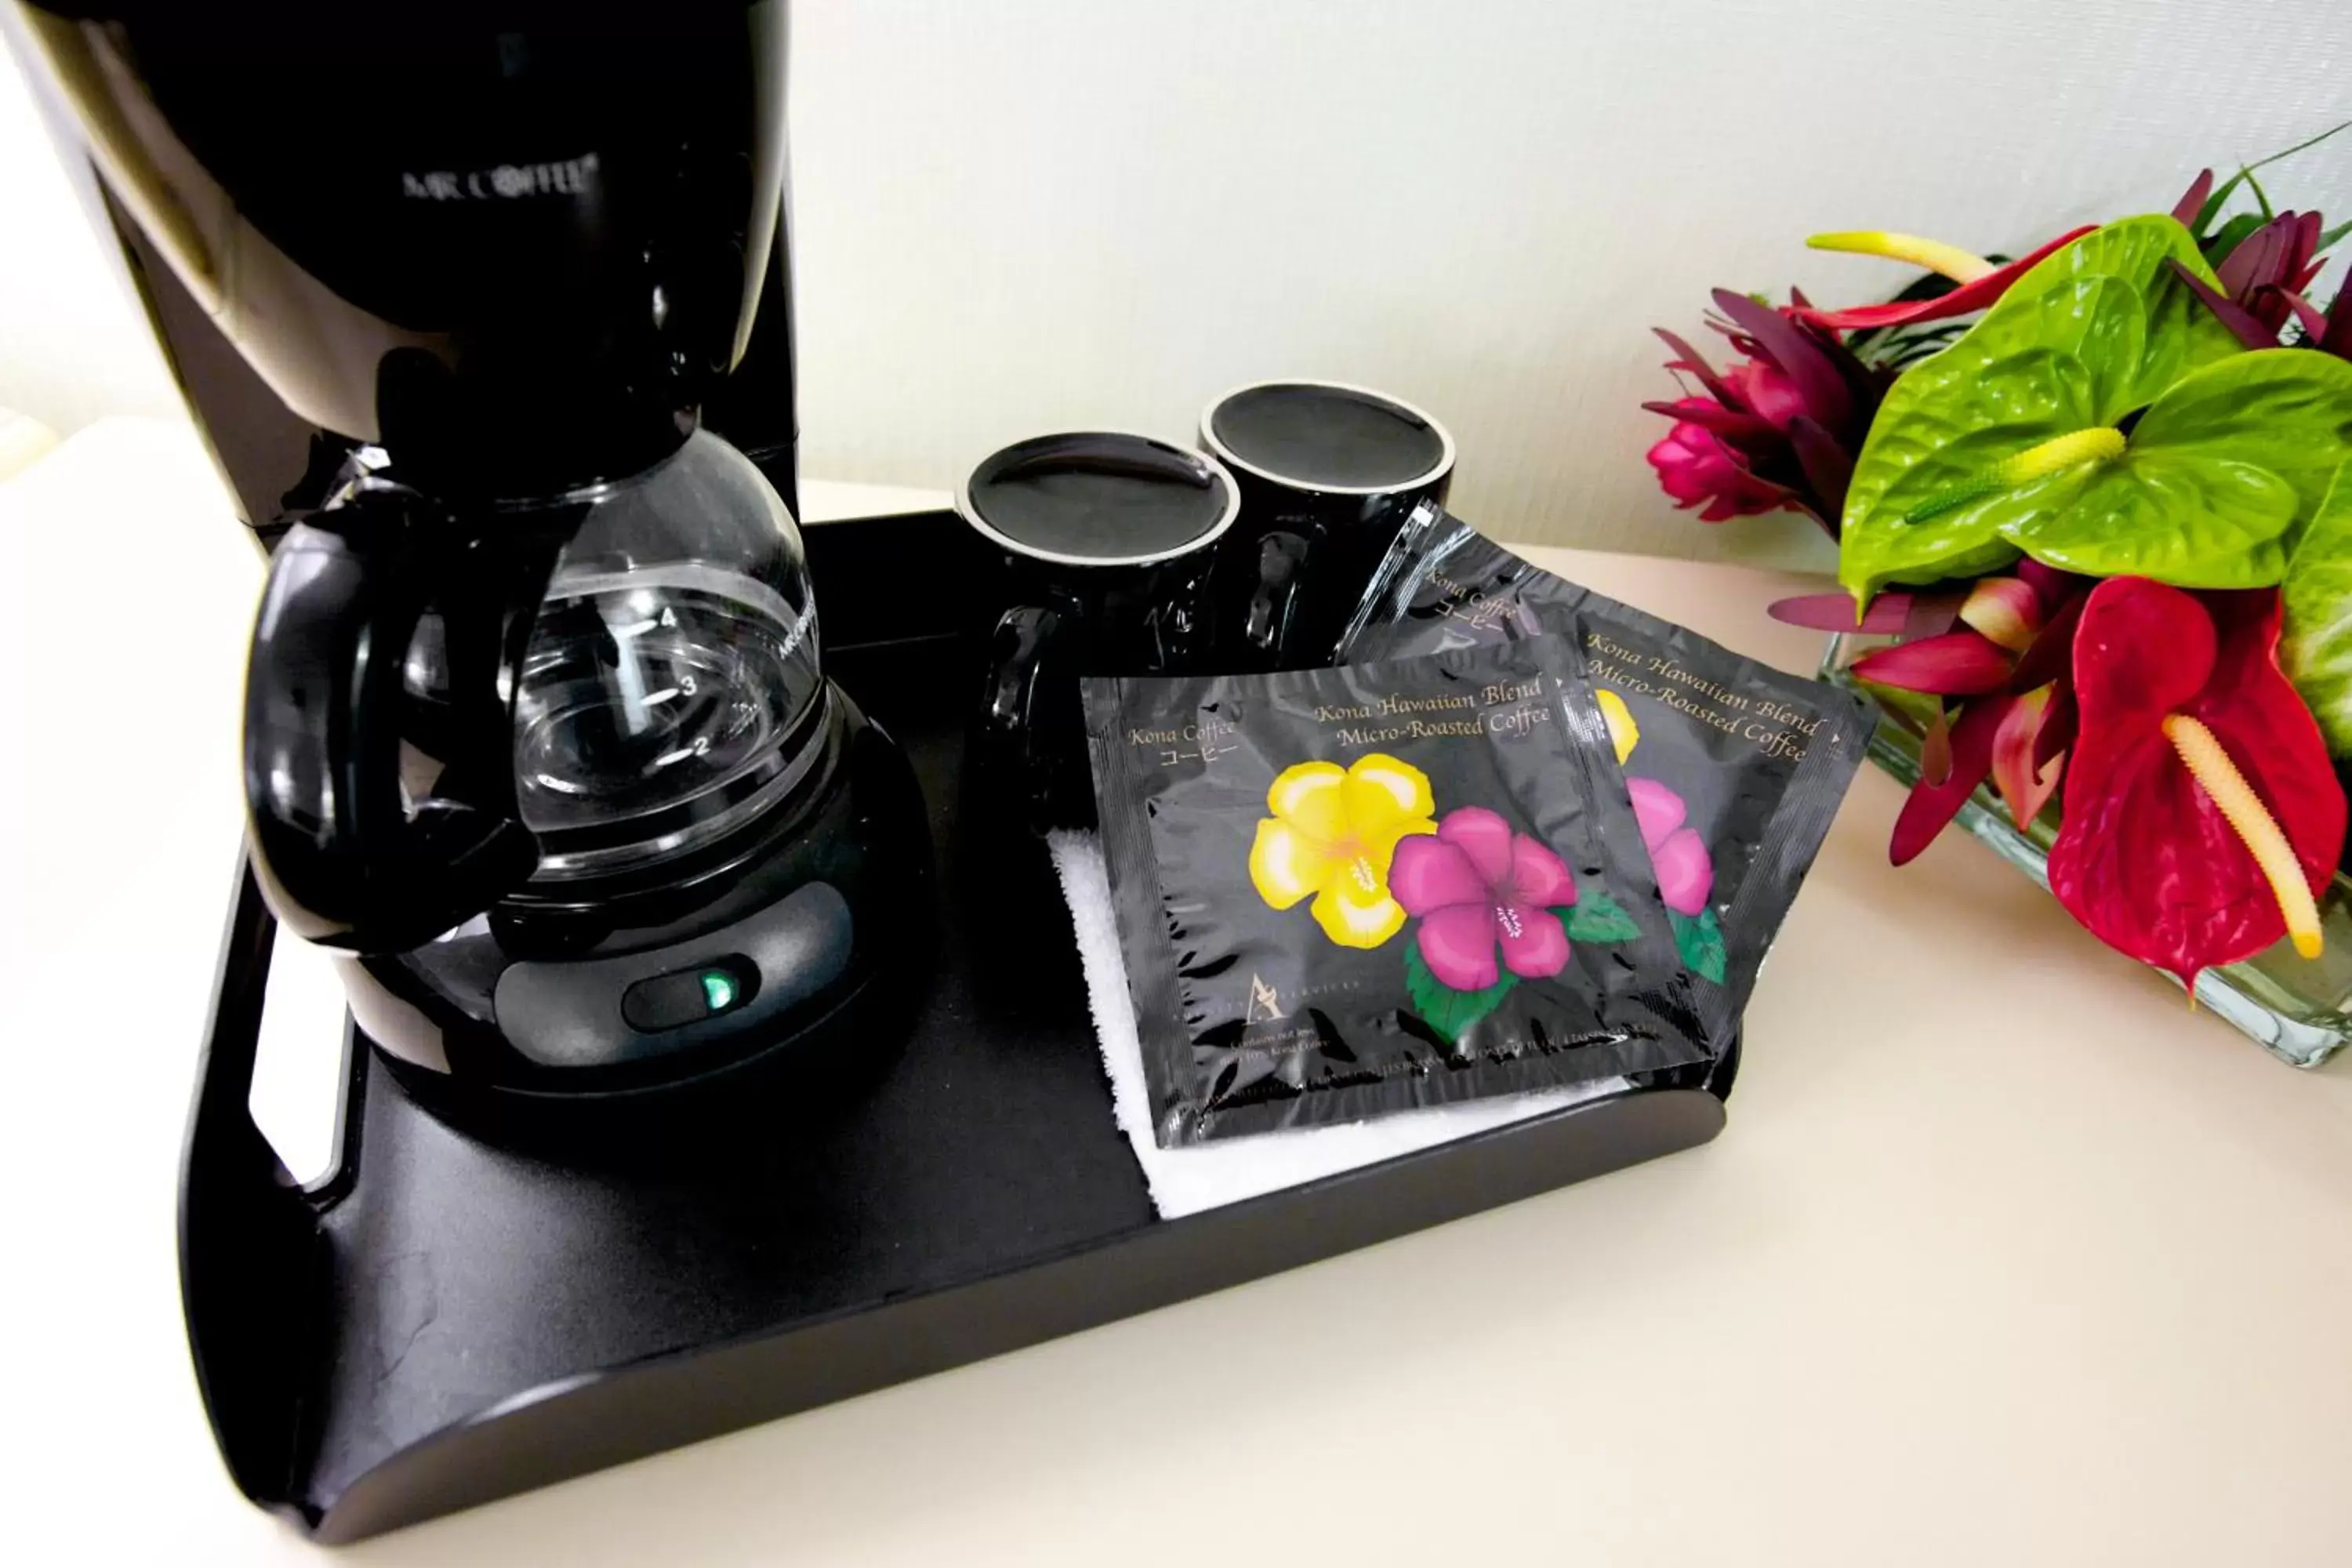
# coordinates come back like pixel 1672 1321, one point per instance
pixel 484 310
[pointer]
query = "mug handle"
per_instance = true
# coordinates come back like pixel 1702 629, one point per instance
pixel 1275 598
pixel 1016 660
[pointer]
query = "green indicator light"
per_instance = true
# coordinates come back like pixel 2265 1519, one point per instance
pixel 717 989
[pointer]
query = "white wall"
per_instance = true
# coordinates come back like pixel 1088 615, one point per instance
pixel 1020 215
pixel 73 344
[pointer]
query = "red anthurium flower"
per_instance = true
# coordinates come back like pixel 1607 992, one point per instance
pixel 2201 814
pixel 1980 282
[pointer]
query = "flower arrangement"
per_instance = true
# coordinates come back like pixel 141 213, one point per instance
pixel 2098 498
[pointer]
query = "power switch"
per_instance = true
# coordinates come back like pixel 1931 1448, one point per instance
pixel 689 995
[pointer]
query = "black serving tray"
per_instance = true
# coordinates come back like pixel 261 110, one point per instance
pixel 442 1321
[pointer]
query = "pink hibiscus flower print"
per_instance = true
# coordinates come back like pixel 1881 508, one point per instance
pixel 1479 890
pixel 1685 871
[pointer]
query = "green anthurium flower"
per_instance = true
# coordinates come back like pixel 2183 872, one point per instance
pixel 2208 485
pixel 2288 411
pixel 2317 648
pixel 2012 422
pixel 2176 332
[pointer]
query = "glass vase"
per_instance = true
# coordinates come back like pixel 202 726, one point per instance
pixel 2298 1009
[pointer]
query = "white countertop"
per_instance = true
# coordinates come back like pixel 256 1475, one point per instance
pixel 2005 1256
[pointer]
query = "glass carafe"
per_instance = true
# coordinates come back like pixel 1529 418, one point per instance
pixel 598 691
pixel 670 690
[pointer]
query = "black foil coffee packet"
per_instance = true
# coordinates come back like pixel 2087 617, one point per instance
pixel 1735 769
pixel 1345 892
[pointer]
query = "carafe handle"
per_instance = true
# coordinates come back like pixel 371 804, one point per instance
pixel 345 858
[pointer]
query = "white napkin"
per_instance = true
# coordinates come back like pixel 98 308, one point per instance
pixel 1205 1176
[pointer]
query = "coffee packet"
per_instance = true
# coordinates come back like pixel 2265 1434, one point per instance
pixel 1345 892
pixel 1735 769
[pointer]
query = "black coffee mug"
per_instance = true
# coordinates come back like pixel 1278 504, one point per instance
pixel 1327 473
pixel 1111 540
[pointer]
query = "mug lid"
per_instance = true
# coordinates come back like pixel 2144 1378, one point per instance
pixel 1099 497
pixel 1327 436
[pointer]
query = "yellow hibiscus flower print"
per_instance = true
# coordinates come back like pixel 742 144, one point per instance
pixel 1332 835
pixel 1622 731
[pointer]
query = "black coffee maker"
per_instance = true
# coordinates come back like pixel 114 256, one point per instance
pixel 468 298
